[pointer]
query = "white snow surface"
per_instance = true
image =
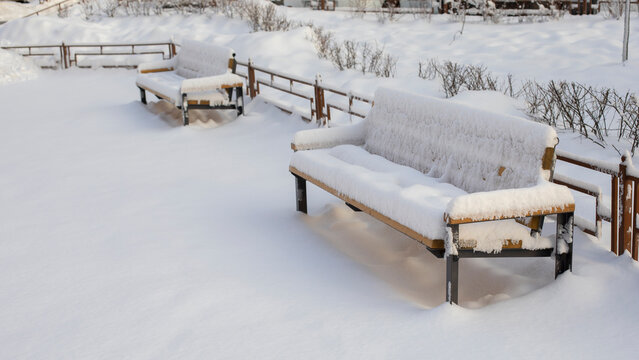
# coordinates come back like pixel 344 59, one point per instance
pixel 14 68
pixel 126 235
pixel 472 149
pixel 209 83
pixel 404 194
pixel 197 59
pixel 330 137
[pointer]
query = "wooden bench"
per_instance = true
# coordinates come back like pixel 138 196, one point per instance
pixel 462 181
pixel 200 76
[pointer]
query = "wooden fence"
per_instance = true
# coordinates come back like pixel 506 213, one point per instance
pixel 56 7
pixel 68 55
pixel 622 214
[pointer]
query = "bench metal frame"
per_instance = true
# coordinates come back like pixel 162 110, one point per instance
pixel 564 237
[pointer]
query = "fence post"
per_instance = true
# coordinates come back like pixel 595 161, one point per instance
pixel 635 229
pixel 614 216
pixel 625 200
pixel 173 52
pixel 251 79
pixel 319 100
pixel 63 60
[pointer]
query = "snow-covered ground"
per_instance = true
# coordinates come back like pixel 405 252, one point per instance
pixel 124 234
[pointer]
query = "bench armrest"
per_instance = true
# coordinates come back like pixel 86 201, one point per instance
pixel 543 199
pixel 209 83
pixel 329 137
pixel 157 66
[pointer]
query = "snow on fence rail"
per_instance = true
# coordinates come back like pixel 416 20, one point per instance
pixel 623 214
pixel 67 3
pixel 85 55
pixel 314 91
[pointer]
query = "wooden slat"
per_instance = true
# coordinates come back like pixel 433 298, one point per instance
pixel 430 243
pixel 547 161
pixel 231 60
pixel 230 86
pixel 148 71
pixel 165 97
pixel 199 102
pixel 554 210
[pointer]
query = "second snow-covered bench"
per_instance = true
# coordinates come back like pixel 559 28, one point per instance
pixel 464 182
pixel 200 76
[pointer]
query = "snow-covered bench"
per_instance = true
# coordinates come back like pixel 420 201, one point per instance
pixel 201 76
pixel 464 182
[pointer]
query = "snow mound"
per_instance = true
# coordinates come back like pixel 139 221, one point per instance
pixel 14 68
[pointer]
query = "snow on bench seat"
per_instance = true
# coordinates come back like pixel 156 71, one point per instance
pixel 201 75
pixel 406 196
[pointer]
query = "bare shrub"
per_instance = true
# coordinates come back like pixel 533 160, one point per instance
pixel 456 77
pixel 356 55
pixel 595 113
pixel 89 8
pixel 613 9
pixel 110 7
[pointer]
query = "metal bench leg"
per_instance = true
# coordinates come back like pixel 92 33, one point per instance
pixel 142 95
pixel 565 225
pixel 185 110
pixel 300 194
pixel 452 278
pixel 452 269
pixel 239 101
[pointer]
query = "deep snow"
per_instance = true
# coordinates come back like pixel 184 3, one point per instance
pixel 125 234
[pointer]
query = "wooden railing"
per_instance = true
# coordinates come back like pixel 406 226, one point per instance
pixel 67 55
pixel 313 91
pixel 59 6
pixel 622 213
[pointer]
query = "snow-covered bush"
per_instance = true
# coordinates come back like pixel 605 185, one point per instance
pixel 357 55
pixel 613 9
pixel 261 15
pixel 595 113
pixel 110 7
pixel 15 67
pixel 455 77
pixel 89 8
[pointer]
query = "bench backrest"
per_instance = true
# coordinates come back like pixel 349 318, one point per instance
pixel 200 59
pixel 472 149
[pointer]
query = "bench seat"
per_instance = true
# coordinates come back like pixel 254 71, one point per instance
pixel 169 86
pixel 406 196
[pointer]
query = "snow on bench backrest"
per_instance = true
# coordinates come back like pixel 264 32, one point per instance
pixel 200 59
pixel 472 149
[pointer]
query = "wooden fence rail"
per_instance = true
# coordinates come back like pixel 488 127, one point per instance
pixel 59 7
pixel 66 55
pixel 622 213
